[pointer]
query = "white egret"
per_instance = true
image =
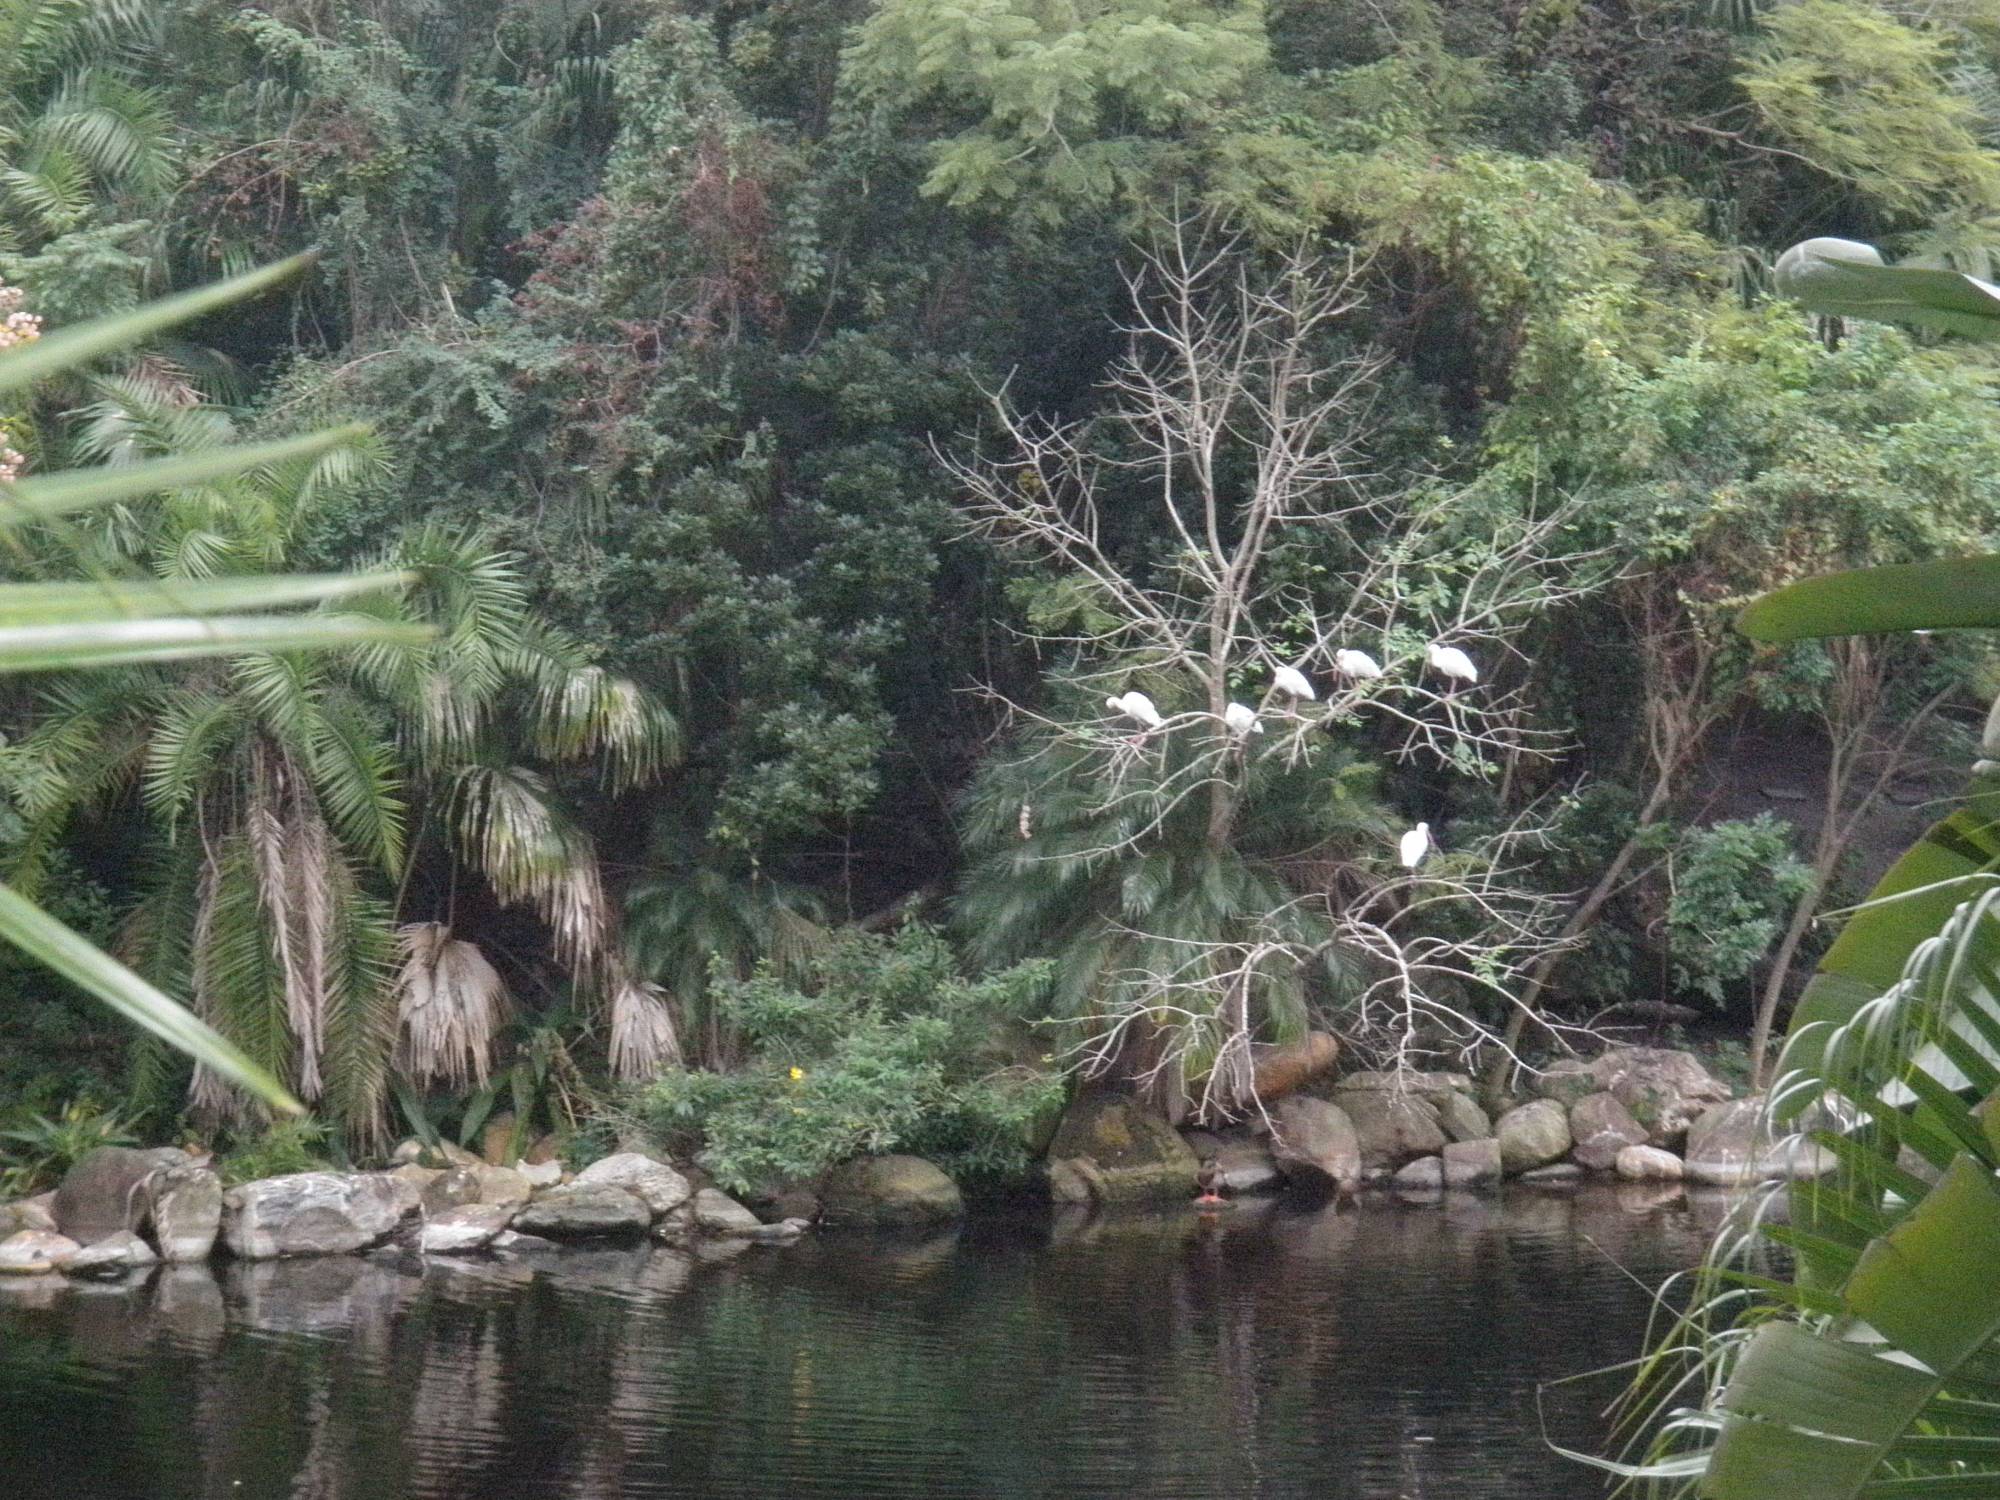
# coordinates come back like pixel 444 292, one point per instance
pixel 1357 664
pixel 1136 706
pixel 1415 845
pixel 1292 683
pixel 1242 720
pixel 1451 662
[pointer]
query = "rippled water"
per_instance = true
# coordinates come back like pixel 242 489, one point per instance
pixel 1390 1350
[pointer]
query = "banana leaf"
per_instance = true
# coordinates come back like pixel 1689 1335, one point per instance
pixel 1960 593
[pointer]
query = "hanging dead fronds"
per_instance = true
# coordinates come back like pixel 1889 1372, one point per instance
pixel 644 1039
pixel 451 1004
pixel 531 853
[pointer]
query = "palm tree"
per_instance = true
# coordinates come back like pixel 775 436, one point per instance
pixel 1167 942
pixel 292 790
pixel 77 127
pixel 697 912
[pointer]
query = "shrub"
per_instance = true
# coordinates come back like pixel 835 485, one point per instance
pixel 40 1150
pixel 883 1046
pixel 1733 882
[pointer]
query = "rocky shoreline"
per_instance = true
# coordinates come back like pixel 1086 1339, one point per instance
pixel 1637 1114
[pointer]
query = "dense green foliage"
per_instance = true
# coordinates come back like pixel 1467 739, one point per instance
pixel 881 1047
pixel 676 327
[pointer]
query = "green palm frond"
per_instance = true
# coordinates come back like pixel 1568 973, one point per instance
pixel 191 727
pixel 119 131
pixel 358 778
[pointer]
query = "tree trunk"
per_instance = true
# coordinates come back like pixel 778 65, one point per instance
pixel 1781 968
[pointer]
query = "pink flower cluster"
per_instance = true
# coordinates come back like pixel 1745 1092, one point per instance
pixel 17 326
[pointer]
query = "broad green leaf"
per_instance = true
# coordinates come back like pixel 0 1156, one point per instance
pixel 1826 1412
pixel 56 352
pixel 1961 593
pixel 1841 278
pixel 31 500
pixel 50 943
pixel 102 643
pixel 121 598
pixel 1908 905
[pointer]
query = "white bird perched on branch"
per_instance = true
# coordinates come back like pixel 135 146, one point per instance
pixel 1357 664
pixel 1242 720
pixel 1292 683
pixel 1451 662
pixel 1415 845
pixel 1137 706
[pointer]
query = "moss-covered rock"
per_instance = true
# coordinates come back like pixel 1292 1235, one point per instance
pixel 1132 1155
pixel 891 1190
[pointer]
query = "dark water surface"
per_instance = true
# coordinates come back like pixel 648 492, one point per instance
pixel 1390 1350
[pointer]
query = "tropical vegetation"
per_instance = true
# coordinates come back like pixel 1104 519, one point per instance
pixel 787 426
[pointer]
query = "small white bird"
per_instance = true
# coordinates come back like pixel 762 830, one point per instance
pixel 1292 683
pixel 1452 662
pixel 1416 844
pixel 1138 706
pixel 1357 664
pixel 1242 720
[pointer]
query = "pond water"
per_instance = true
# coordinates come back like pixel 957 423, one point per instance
pixel 1388 1350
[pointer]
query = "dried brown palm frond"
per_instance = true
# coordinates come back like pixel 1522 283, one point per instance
pixel 586 713
pixel 451 1004
pixel 292 850
pixel 644 1039
pixel 530 852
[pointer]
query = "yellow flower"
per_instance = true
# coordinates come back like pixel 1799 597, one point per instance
pixel 797 1074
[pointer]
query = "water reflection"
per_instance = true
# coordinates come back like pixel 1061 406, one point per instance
pixel 1391 1349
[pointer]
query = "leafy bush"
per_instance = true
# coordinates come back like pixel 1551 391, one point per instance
pixel 42 1149
pixel 883 1046
pixel 1733 882
pixel 289 1146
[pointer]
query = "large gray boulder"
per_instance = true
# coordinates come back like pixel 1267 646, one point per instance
pixel 1566 1080
pixel 187 1212
pixel 1460 1118
pixel 713 1211
pixel 1408 1081
pixel 1314 1143
pixel 1532 1135
pixel 585 1210
pixel 1602 1127
pixel 106 1191
pixel 1123 1152
pixel 1471 1164
pixel 1729 1145
pixel 35 1252
pixel 891 1190
pixel 448 1190
pixel 462 1230
pixel 503 1187
pixel 1391 1127
pixel 26 1213
pixel 1664 1089
pixel 309 1213
pixel 113 1255
pixel 1648 1164
pixel 653 1183
pixel 1423 1174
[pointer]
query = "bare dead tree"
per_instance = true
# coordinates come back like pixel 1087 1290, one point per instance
pixel 1234 419
pixel 1865 755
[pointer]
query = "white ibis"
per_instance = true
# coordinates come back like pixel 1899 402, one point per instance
pixel 1138 707
pixel 1415 845
pixel 1242 720
pixel 1451 662
pixel 1357 664
pixel 1292 683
